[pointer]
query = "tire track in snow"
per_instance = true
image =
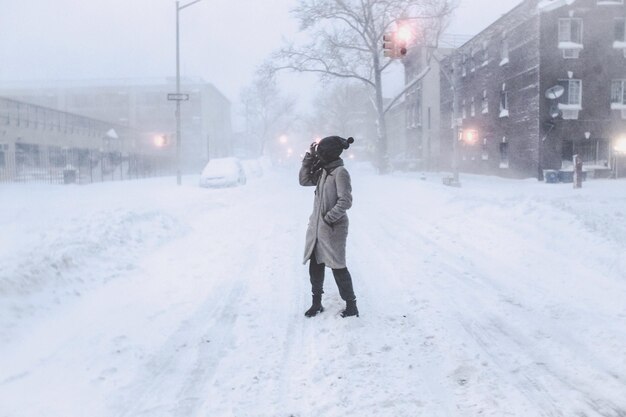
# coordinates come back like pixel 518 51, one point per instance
pixel 184 366
pixel 390 305
pixel 563 342
pixel 404 229
pixel 271 320
pixel 540 395
pixel 171 361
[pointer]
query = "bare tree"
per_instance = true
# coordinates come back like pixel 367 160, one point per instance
pixel 347 44
pixel 342 109
pixel 267 112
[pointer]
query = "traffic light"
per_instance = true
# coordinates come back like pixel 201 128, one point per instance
pixel 396 44
pixel 389 46
pixel 404 35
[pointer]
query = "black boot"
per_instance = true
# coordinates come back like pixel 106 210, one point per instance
pixel 316 307
pixel 350 310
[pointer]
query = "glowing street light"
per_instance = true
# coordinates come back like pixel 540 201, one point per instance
pixel 283 139
pixel 470 137
pixel 620 150
pixel 620 146
pixel 160 141
pixel 404 33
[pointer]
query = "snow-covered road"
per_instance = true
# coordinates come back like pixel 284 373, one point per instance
pixel 501 298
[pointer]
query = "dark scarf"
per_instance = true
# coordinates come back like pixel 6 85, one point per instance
pixel 316 171
pixel 330 166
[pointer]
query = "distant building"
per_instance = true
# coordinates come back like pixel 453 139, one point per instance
pixel 143 106
pixel 39 143
pixel 422 104
pixel 397 143
pixel 542 83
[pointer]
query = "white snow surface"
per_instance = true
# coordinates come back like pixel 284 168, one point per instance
pixel 550 5
pixel 500 298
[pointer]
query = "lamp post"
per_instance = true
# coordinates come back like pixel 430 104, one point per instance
pixel 455 124
pixel 619 149
pixel 178 94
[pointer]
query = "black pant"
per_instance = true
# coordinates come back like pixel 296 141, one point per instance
pixel 342 278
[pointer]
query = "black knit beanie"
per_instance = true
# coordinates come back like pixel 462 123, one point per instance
pixel 331 147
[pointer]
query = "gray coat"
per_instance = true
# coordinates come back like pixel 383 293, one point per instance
pixel 328 225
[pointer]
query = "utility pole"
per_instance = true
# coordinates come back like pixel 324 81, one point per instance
pixel 178 138
pixel 455 130
pixel 455 112
pixel 179 96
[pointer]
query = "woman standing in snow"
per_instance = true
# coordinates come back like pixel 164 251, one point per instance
pixel 328 225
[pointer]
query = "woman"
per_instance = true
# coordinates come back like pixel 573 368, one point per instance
pixel 328 225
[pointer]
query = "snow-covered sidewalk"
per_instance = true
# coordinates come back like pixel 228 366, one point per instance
pixel 144 299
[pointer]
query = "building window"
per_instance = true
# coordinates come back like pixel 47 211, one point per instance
pixel 620 34
pixel 592 151
pixel 504 154
pixel 472 58
pixel 571 102
pixel 414 110
pixel 485 53
pixel 464 65
pixel 485 103
pixel 504 102
pixel 473 107
pixel 618 95
pixel 463 110
pixel 504 51
pixel 571 37
pixel 418 108
pixel 3 155
pixel 620 29
pixel 610 2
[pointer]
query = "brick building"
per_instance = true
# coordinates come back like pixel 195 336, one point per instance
pixel 544 82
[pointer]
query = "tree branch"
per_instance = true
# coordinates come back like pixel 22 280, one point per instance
pixel 324 71
pixel 412 84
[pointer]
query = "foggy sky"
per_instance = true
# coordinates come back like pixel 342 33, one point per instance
pixel 222 40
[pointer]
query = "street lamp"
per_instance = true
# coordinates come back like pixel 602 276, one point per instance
pixel 179 97
pixel 160 141
pixel 620 150
pixel 455 123
pixel 620 146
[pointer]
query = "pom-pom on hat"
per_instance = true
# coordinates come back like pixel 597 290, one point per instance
pixel 331 147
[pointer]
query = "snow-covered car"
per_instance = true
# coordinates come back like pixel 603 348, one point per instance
pixel 223 172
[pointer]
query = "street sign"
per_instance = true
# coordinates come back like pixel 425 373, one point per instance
pixel 178 97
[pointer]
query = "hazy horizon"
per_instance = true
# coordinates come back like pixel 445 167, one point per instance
pixel 73 40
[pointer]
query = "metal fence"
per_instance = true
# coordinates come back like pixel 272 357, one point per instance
pixel 55 165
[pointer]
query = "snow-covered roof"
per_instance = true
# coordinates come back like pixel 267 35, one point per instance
pixel 549 5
